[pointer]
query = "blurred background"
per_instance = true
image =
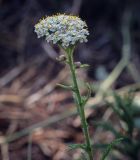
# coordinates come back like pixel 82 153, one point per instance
pixel 37 118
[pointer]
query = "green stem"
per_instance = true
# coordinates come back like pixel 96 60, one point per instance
pixel 80 104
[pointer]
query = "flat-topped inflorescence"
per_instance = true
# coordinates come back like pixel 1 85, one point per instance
pixel 65 30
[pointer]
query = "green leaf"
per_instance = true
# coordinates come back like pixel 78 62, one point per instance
pixel 65 86
pixel 110 147
pixel 85 98
pixel 84 66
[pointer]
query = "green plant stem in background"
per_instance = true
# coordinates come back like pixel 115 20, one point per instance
pixel 79 101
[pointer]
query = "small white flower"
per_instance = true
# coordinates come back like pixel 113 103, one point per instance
pixel 62 29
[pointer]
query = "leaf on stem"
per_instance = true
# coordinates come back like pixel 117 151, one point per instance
pixel 84 65
pixel 110 147
pixel 65 86
pixel 85 98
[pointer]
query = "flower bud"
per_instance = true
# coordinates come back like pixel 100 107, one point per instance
pixel 61 58
pixel 77 65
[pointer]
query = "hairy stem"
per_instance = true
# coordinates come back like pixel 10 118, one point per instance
pixel 80 106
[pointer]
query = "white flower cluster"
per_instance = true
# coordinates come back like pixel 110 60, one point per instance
pixel 62 29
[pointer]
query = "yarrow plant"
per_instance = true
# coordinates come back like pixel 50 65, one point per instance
pixel 66 31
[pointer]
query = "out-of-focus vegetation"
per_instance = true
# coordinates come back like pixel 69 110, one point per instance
pixel 127 128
